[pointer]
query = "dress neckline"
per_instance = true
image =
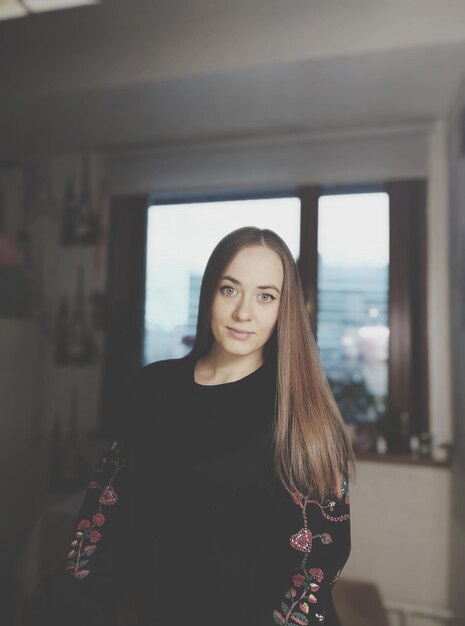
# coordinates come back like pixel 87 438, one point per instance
pixel 227 385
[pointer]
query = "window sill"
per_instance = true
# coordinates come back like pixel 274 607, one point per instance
pixel 402 459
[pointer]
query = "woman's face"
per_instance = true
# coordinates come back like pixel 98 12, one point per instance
pixel 246 302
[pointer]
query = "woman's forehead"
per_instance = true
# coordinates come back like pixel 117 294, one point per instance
pixel 256 263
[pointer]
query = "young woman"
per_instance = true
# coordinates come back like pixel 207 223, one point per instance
pixel 226 502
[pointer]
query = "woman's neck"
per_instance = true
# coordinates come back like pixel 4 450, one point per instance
pixel 217 368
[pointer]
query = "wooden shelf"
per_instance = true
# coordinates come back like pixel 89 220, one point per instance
pixel 402 459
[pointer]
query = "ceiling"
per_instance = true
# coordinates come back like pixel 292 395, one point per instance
pixel 172 72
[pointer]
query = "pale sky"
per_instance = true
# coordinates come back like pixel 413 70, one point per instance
pixel 353 229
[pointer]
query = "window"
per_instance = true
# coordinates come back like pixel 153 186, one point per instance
pixel 361 254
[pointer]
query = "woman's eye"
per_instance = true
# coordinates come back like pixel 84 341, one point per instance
pixel 268 297
pixel 228 290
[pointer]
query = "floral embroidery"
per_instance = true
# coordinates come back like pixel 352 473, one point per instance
pixel 295 607
pixel 316 571
pixel 83 524
pixel 298 599
pixel 99 519
pixel 87 536
pixel 330 504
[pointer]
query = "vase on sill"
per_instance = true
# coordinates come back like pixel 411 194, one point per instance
pixel 381 445
pixel 425 445
pixel 414 446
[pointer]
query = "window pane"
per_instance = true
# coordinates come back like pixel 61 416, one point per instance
pixel 180 238
pixel 353 285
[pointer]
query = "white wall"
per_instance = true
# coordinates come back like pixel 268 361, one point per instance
pixel 374 155
pixel 400 536
pixel 438 285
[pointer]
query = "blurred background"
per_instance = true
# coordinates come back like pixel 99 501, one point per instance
pixel 134 134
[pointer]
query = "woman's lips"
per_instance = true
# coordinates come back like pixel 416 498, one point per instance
pixel 239 334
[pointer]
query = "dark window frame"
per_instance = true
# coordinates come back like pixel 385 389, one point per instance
pixel 125 307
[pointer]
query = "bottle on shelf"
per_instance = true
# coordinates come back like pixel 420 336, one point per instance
pixel 81 346
pixel 414 445
pixel 404 442
pixel 85 223
pixel 61 332
pixel 68 215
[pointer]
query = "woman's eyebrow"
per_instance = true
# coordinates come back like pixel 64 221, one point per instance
pixel 237 282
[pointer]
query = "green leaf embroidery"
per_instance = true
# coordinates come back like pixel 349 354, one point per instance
pixel 278 618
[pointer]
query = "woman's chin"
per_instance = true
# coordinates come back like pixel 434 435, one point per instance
pixel 238 347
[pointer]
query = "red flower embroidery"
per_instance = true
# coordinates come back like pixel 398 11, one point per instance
pixel 99 519
pixel 83 524
pixel 298 579
pixel 317 573
pixel 295 606
pixel 84 544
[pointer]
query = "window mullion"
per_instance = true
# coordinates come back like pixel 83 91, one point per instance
pixel 308 259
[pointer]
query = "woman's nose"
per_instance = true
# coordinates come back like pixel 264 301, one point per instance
pixel 242 311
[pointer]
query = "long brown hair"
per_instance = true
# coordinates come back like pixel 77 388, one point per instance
pixel 312 449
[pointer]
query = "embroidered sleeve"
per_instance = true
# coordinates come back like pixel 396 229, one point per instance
pixel 98 513
pixel 305 600
pixel 90 586
pixel 303 550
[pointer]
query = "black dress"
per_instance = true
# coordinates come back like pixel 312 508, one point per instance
pixel 186 521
